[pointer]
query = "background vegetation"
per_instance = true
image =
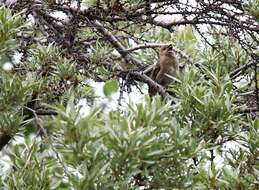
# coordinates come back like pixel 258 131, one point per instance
pixel 54 55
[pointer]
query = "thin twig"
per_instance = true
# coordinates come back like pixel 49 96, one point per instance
pixel 39 123
pixel 234 73
pixel 154 45
pixel 248 110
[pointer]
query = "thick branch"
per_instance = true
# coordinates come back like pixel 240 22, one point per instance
pixel 144 78
pixel 45 112
pixel 116 44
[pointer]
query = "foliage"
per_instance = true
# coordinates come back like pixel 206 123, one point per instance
pixel 60 127
pixel 10 25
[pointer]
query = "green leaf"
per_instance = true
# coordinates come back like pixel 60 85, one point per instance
pixel 110 87
pixel 91 2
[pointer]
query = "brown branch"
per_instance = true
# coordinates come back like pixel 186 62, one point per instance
pixel 233 74
pixel 144 46
pixel 248 110
pixel 116 44
pixel 45 112
pixel 42 130
pixel 140 76
pixel 154 45
pixel 38 120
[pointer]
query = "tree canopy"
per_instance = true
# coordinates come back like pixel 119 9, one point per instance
pixel 200 133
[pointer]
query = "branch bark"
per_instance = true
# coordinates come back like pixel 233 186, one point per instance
pixel 140 76
pixel 116 44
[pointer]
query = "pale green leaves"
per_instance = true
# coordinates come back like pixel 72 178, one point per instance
pixel 185 39
pixel 252 6
pixel 90 2
pixel 14 91
pixel 10 122
pixel 110 87
pixel 10 25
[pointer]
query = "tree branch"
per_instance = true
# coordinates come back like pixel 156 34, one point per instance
pixel 233 74
pixel 154 45
pixel 116 44
pixel 248 110
pixel 140 76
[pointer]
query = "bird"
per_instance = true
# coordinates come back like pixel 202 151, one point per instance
pixel 167 65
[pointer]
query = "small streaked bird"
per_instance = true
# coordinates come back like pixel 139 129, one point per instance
pixel 167 65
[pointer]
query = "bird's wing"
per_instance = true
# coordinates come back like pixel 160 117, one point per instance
pixel 153 75
pixel 154 72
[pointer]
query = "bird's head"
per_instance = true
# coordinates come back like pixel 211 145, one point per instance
pixel 167 50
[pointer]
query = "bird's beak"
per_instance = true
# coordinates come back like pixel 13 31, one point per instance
pixel 170 48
